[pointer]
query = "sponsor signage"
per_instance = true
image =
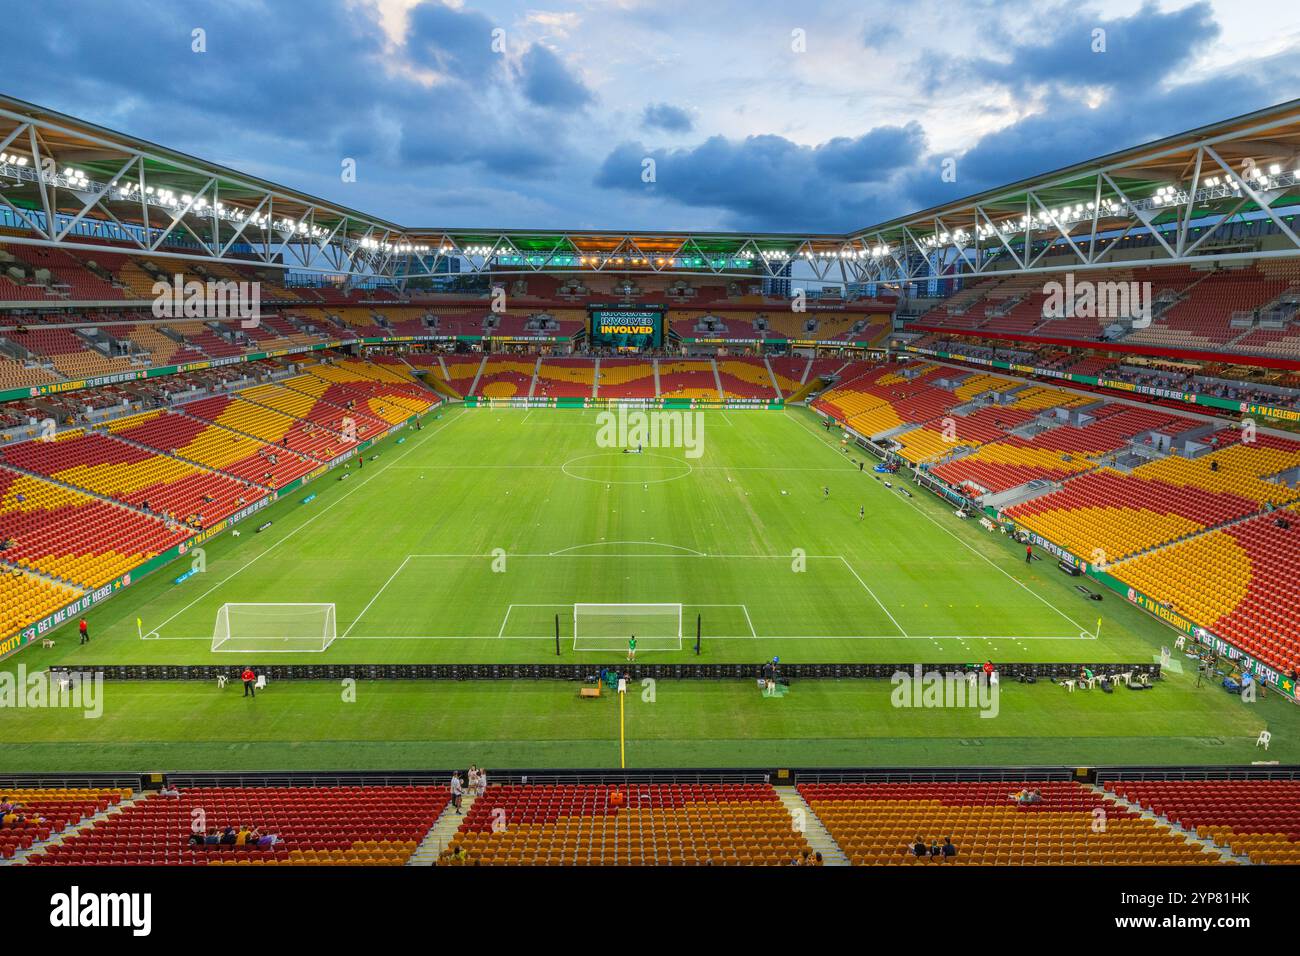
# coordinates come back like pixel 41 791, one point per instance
pixel 1191 398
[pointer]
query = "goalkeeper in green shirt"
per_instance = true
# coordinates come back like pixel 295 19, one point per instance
pixel 631 648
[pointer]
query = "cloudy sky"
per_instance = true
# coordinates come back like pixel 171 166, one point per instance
pixel 758 115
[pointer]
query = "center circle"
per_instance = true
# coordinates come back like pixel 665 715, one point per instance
pixel 622 468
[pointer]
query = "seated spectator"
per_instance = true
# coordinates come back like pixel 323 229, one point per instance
pixel 918 847
pixel 169 791
pixel 213 837
pixel 228 836
pixel 949 850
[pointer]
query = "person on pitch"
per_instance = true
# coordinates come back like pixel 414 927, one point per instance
pixel 631 648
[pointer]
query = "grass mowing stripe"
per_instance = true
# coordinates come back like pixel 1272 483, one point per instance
pixel 347 494
pixel 948 531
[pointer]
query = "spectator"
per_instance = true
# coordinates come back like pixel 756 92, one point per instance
pixel 949 850
pixel 457 791
pixel 918 848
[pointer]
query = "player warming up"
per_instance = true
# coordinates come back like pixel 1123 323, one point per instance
pixel 631 648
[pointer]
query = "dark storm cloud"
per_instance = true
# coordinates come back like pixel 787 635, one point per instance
pixel 765 182
pixel 669 118
pixel 547 81
pixel 769 182
pixel 1087 50
pixel 439 120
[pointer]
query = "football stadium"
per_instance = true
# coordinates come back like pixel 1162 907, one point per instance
pixel 969 537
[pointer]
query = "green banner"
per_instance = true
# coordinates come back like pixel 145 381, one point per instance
pixel 1189 398
pixel 57 388
pixel 734 404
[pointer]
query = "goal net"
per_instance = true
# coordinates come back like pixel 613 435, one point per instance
pixel 264 628
pixel 608 627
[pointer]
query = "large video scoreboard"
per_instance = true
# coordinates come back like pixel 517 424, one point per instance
pixel 630 328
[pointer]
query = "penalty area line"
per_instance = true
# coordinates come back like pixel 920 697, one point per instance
pixel 347 494
pixel 948 531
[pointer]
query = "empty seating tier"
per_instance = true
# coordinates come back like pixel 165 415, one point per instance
pixel 654 824
pixel 73 536
pixel 877 823
pixel 332 826
pixel 1259 819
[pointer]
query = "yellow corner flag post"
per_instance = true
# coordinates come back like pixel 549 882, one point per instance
pixel 1098 634
pixel 139 626
pixel 622 751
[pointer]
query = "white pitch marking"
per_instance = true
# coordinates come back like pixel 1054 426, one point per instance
pixel 357 487
pixel 874 598
pixel 964 544
pixel 381 590
pixel 716 637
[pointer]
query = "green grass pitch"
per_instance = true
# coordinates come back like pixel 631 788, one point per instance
pixel 463 543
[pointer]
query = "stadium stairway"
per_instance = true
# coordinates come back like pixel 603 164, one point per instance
pixel 655 363
pixel 772 377
pixel 537 368
pixel 440 834
pixel 180 410
pixel 164 453
pixel 11 568
pixel 717 380
pixel 126 505
pixel 1224 853
pixel 39 848
pixel 818 837
pixel 300 419
pixel 473 386
pixel 1200 532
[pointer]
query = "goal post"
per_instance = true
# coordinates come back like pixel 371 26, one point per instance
pixel 608 627
pixel 274 628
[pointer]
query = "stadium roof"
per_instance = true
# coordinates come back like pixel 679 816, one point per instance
pixel 101 185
